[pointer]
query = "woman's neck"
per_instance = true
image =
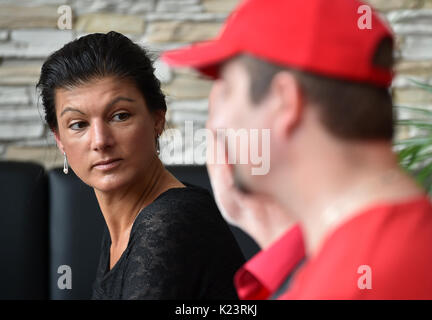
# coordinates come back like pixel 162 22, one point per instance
pixel 121 207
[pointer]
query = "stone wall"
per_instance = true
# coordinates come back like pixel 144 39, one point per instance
pixel 411 21
pixel 29 33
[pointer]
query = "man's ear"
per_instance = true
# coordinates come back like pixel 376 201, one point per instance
pixel 58 142
pixel 290 102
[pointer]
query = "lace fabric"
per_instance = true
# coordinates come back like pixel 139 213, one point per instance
pixel 180 247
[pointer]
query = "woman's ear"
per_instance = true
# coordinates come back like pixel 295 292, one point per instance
pixel 58 141
pixel 159 118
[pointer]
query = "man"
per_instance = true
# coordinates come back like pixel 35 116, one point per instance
pixel 269 272
pixel 318 78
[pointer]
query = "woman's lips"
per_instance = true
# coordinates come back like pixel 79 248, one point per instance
pixel 108 166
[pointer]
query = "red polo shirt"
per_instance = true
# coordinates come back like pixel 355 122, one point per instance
pixel 384 252
pixel 262 275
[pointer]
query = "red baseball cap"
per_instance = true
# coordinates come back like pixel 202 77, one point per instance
pixel 320 36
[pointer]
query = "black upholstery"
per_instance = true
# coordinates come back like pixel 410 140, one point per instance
pixel 23 231
pixel 52 219
pixel 76 225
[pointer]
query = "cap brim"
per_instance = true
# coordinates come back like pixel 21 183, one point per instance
pixel 204 56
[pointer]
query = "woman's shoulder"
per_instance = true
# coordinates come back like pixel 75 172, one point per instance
pixel 181 218
pixel 188 206
pixel 191 198
pixel 188 194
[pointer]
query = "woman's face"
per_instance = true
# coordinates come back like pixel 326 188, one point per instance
pixel 107 119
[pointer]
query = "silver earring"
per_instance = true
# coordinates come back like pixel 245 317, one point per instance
pixel 157 145
pixel 65 164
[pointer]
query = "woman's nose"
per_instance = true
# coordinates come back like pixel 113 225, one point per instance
pixel 101 135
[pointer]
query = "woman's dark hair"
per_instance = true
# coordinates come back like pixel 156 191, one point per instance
pixel 94 56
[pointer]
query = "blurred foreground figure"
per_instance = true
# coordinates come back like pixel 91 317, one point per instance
pixel 316 73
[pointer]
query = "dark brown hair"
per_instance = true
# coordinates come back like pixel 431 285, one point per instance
pixel 94 56
pixel 349 110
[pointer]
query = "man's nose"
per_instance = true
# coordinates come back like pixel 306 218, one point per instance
pixel 101 135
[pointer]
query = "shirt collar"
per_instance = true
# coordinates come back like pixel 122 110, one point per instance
pixel 264 273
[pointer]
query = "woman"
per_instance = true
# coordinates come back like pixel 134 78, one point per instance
pixel 164 239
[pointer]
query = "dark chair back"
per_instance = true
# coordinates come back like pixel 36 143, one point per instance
pixel 24 266
pixel 76 226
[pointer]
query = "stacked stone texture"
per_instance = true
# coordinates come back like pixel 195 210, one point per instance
pixel 29 33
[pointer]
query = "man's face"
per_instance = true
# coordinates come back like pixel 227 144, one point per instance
pixel 230 107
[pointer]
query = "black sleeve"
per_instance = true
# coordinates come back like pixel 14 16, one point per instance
pixel 102 264
pixel 184 250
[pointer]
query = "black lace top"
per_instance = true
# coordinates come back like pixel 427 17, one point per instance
pixel 180 247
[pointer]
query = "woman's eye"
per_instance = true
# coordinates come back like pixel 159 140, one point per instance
pixel 121 116
pixel 77 125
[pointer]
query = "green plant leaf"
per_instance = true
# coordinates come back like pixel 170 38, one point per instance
pixel 424 111
pixel 415 153
pixel 422 85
